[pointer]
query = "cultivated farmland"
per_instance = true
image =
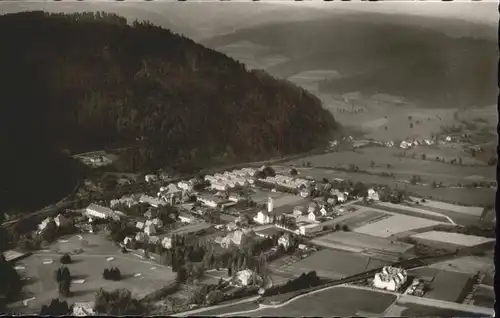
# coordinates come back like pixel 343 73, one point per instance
pixel 394 224
pixel 453 238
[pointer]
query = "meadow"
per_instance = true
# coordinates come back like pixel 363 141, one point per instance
pixel 337 301
pixel 394 225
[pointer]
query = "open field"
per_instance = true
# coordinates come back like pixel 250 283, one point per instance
pixel 337 301
pixel 141 277
pixel 417 310
pixel 467 264
pixel 412 211
pixel 484 296
pixel 364 218
pixel 330 264
pixel 402 167
pixel 469 210
pixel 474 196
pixel 449 286
pixel 363 242
pixel 453 238
pixel 393 225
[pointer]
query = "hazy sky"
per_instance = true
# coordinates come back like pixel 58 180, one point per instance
pixel 206 18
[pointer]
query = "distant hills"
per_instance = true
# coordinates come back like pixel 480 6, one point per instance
pixel 452 66
pixel 86 81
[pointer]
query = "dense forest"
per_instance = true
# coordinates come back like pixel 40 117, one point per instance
pixel 87 81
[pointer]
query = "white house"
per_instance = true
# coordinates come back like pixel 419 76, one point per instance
pixel 140 225
pixel 170 193
pixel 97 211
pixel 185 218
pixel 246 277
pixel 127 240
pixel 235 198
pixel 373 195
pixel 262 218
pixel 154 202
pixel 448 138
pixel 166 242
pixel 314 216
pixel 390 278
pixel 210 201
pixel 309 229
pixel 43 224
pixel 185 185
pixel 284 240
pixel 151 178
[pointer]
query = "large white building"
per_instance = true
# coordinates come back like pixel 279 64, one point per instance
pixel 263 217
pixel 99 212
pixel 390 278
pixel 246 277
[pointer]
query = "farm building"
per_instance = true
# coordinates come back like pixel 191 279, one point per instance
pixel 390 278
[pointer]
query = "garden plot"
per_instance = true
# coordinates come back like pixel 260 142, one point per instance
pixel 453 238
pixel 395 224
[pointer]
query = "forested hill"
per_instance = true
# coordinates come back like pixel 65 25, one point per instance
pixel 88 80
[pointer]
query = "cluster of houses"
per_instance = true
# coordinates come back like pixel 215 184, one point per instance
pixel 405 144
pixel 231 179
pixel 60 221
pixel 390 278
pixel 95 211
pixel 290 183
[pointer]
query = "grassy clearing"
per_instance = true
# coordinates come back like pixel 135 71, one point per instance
pixel 414 310
pixel 453 238
pixel 337 301
pixel 393 225
pixel 469 210
pixel 449 286
pixel 467 264
pixel 365 241
pixel 331 264
pixel 401 167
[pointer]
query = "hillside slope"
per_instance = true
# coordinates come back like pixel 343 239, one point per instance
pixel 87 81
pixel 380 54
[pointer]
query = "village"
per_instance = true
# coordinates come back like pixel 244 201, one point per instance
pixel 242 232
